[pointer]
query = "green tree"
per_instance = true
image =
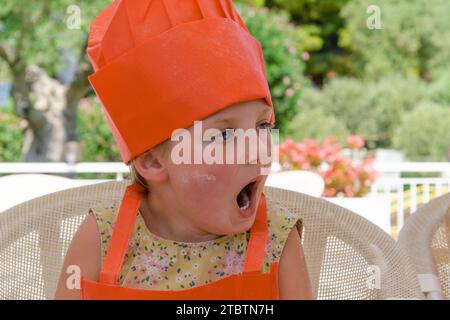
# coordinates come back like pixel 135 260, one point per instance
pixel 34 35
pixel 424 133
pixel 11 137
pixel 387 100
pixel 284 66
pixel 439 90
pixel 371 109
pixel 96 139
pixel 253 3
pixel 315 124
pixel 321 23
pixel 413 39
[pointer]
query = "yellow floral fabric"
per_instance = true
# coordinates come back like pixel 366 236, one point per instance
pixel 155 263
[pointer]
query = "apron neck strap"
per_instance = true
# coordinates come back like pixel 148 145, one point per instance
pixel 124 225
pixel 121 234
pixel 258 239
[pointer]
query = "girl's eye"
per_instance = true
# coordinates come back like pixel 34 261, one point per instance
pixel 266 126
pixel 225 135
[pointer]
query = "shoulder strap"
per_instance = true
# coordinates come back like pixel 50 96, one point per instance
pixel 258 238
pixel 121 234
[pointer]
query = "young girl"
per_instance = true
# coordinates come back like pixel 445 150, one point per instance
pixel 190 230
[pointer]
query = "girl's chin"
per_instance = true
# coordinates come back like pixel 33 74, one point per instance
pixel 236 227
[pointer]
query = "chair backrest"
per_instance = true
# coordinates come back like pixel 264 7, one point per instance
pixel 347 256
pixel 306 182
pixel 35 235
pixel 18 188
pixel 426 239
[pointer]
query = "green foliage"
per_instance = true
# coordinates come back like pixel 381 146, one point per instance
pixel 325 11
pixel 38 30
pixel 4 71
pixel 424 134
pixel 413 40
pixel 439 90
pixel 322 13
pixel 310 38
pixel 321 23
pixel 378 103
pixel 284 66
pixel 343 99
pixel 313 123
pixel 388 100
pixel 370 109
pixel 253 3
pixel 95 136
pixel 11 137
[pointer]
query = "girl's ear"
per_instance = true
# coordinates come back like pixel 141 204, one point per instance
pixel 150 166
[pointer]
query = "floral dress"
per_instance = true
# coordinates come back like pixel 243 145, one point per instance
pixel 155 263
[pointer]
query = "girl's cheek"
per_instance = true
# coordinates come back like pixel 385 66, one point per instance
pixel 205 181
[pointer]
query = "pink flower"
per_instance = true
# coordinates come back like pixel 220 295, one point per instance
pixel 297 158
pixel 329 192
pixel 341 175
pixel 286 80
pixel 355 142
pixel 305 166
pixel 290 92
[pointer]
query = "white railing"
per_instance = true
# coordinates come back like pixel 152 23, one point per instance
pixel 390 184
pixel 399 167
pixel 406 194
pixel 116 168
pixel 418 191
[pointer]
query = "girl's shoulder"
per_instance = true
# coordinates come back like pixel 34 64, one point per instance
pixel 280 218
pixel 281 222
pixel 105 214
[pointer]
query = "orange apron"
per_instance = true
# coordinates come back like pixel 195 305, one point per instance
pixel 251 284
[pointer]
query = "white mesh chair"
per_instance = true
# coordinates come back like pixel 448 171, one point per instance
pixel 426 239
pixel 17 188
pixel 347 257
pixel 302 181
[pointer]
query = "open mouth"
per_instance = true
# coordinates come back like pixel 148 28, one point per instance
pixel 246 197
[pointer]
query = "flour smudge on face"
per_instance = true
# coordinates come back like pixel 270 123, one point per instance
pixel 205 176
pixel 198 177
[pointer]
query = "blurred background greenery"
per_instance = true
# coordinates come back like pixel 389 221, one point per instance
pixel 328 72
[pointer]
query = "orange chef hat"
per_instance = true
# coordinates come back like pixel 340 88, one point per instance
pixel 160 65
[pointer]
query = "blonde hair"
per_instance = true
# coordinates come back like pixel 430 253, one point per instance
pixel 135 176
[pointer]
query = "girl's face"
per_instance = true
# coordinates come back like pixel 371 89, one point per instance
pixel 223 198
